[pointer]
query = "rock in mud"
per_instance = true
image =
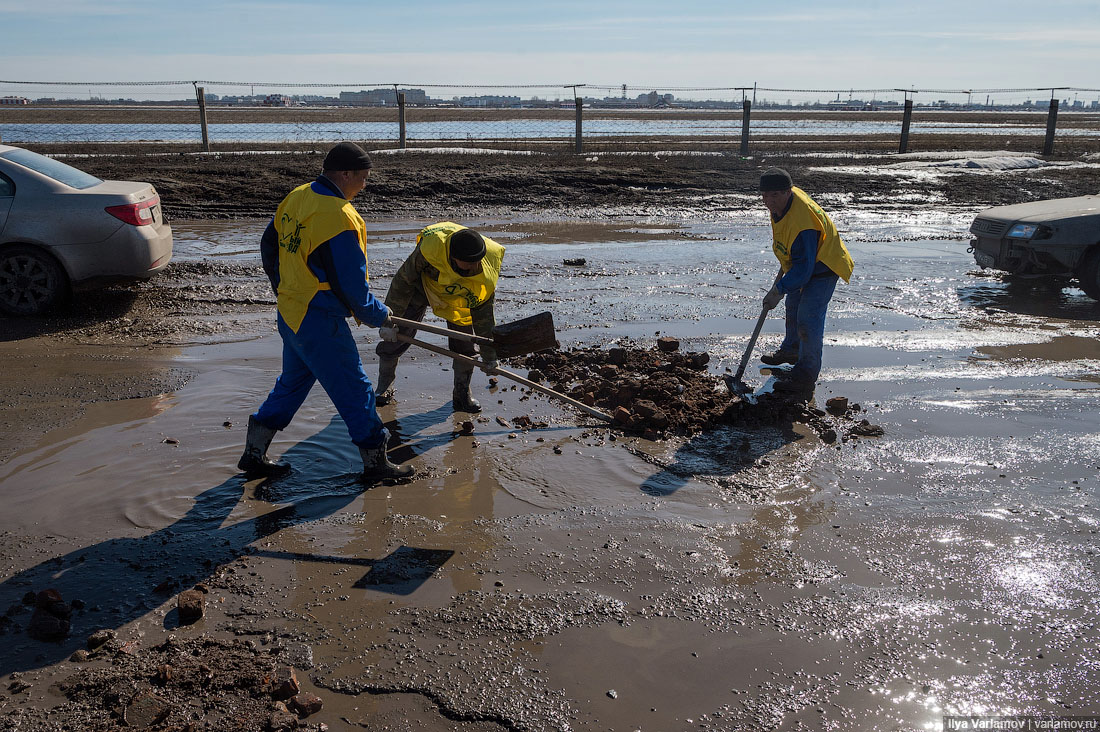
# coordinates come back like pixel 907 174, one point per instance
pixel 145 710
pixel 866 429
pixel 191 605
pixel 667 344
pixel 282 719
pixel 306 704
pixel 164 674
pixel 98 638
pixel 575 262
pixel 837 405
pixel 50 620
pixel 284 683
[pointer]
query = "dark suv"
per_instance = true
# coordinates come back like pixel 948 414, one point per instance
pixel 1057 237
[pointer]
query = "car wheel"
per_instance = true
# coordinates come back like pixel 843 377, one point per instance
pixel 31 281
pixel 1088 274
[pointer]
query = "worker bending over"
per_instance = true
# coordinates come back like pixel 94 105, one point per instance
pixel 454 270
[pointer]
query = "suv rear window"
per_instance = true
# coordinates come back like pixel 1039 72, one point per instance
pixel 51 168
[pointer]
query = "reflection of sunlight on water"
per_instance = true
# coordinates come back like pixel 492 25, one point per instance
pixel 947 340
pixel 983 370
pixel 1040 581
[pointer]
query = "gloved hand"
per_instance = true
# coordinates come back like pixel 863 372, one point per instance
pixel 388 333
pixel 773 298
pixel 489 366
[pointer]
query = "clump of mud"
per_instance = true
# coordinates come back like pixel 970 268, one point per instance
pixel 179 685
pixel 660 391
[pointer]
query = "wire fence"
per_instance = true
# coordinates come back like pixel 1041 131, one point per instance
pixel 226 115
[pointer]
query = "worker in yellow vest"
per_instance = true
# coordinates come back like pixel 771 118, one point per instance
pixel 454 270
pixel 812 258
pixel 315 253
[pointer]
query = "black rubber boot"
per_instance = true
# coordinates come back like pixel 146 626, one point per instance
pixel 463 400
pixel 254 462
pixel 387 373
pixel 795 390
pixel 376 466
pixel 779 357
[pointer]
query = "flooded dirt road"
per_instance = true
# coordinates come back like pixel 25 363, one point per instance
pixel 570 577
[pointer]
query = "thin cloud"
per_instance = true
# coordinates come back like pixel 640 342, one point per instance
pixel 1087 36
pixel 67 8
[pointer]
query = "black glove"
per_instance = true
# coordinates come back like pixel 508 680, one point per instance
pixel 773 298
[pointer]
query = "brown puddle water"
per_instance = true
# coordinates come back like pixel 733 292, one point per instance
pixel 736 579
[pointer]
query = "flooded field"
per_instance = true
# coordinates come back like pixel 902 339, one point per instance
pixel 571 577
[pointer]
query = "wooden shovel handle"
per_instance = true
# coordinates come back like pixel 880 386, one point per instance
pixel 509 375
pixel 427 327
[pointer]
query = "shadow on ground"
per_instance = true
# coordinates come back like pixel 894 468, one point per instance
pixel 120 580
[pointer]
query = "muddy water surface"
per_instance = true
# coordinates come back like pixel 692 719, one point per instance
pixel 733 580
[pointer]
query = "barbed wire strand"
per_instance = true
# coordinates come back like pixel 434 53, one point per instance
pixel 595 87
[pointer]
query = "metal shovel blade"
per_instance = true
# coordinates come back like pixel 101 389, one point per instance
pixel 528 335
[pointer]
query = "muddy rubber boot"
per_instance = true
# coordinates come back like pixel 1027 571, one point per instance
pixel 463 400
pixel 376 466
pixel 387 373
pixel 254 462
pixel 795 390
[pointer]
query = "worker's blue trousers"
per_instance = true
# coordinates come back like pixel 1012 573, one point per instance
pixel 323 350
pixel 806 308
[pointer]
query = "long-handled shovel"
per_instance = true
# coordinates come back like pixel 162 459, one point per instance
pixel 517 338
pixel 734 383
pixel 503 372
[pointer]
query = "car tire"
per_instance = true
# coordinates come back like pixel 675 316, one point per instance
pixel 31 281
pixel 1088 274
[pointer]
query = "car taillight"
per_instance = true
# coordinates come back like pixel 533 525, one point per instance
pixel 135 214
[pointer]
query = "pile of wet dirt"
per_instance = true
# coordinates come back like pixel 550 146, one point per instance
pixel 179 686
pixel 660 392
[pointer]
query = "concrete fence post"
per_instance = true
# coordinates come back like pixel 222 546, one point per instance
pixel 1052 121
pixel 401 120
pixel 200 96
pixel 747 105
pixel 579 144
pixel 907 117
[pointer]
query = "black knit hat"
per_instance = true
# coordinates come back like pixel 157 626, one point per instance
pixel 347 156
pixel 467 245
pixel 775 179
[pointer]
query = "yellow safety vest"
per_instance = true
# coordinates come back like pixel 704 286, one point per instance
pixel 304 221
pixel 805 214
pixel 452 295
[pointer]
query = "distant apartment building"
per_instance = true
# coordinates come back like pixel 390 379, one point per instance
pixel 277 100
pixel 487 101
pixel 653 99
pixel 382 97
pixel 9 101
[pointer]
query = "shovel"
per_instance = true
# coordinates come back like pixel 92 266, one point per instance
pixel 734 383
pixel 506 374
pixel 518 338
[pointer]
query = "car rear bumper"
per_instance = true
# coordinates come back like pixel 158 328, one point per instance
pixel 132 252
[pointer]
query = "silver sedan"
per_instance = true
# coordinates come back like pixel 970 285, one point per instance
pixel 62 229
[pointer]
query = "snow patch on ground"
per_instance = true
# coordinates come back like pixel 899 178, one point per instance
pixel 992 162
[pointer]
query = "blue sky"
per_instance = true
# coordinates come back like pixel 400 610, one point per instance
pixel 826 44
